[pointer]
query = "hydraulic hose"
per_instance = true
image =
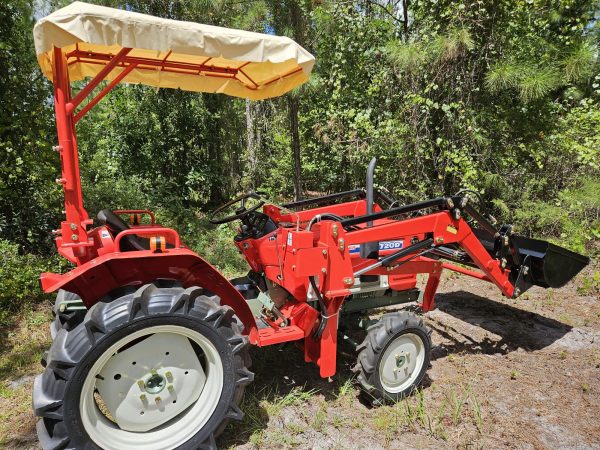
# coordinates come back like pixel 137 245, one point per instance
pixel 323 308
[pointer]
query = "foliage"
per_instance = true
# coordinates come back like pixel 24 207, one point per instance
pixel 29 198
pixel 20 278
pixel 573 219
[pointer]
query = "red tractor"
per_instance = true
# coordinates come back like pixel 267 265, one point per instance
pixel 150 342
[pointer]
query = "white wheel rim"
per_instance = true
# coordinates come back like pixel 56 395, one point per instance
pixel 188 391
pixel 401 363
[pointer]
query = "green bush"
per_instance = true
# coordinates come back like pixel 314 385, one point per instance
pixel 19 275
pixel 571 220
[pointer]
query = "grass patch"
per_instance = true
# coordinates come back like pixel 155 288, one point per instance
pixel 259 408
pixel 22 343
pixel 320 417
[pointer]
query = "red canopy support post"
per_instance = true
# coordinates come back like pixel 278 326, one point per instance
pixel 73 237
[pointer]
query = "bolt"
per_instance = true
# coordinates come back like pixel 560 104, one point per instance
pixel 61 181
pixel 439 240
pixel 324 252
pixel 293 268
pixel 334 231
pixel 348 281
pixel 143 398
pixel 171 389
pixel 450 203
pixel 73 227
pixel 74 237
pixel 153 372
pixel 342 244
pixel 158 400
pixel 56 148
pixel 169 376
pixel 517 292
pixel 141 385
pixel 503 263
pixel 323 270
pixel 505 240
pixel 525 270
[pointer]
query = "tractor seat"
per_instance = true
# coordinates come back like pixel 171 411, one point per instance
pixel 115 224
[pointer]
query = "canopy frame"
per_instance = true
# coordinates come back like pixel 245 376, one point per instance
pixel 72 234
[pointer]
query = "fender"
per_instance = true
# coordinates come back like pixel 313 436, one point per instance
pixel 97 277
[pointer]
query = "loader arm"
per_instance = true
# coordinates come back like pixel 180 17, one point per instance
pixel 442 229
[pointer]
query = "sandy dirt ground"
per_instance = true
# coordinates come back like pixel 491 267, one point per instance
pixel 519 373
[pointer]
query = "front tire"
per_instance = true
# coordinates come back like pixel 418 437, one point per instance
pixel 159 368
pixel 394 357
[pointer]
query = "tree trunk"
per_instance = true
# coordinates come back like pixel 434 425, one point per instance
pixel 295 134
pixel 405 18
pixel 250 144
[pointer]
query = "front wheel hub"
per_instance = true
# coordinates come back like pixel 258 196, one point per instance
pixel 402 362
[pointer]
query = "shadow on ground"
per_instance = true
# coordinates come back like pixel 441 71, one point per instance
pixel 516 328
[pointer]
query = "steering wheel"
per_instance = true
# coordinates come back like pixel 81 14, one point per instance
pixel 240 211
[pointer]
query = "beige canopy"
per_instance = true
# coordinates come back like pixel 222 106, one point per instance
pixel 171 54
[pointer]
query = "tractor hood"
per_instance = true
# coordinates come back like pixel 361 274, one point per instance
pixel 171 54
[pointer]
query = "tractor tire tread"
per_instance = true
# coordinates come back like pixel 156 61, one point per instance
pixel 369 351
pixel 69 319
pixel 114 312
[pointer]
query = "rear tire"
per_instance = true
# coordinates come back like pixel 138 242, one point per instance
pixel 63 318
pixel 109 383
pixel 393 358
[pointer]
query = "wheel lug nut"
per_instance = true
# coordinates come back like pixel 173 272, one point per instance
pixel 143 398
pixel 169 376
pixel 153 372
pixel 171 389
pixel 141 385
pixel 158 400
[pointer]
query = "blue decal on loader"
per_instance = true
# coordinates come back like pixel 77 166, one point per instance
pixel 383 245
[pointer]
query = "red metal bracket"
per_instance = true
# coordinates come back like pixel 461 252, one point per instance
pixel 103 92
pixel 148 231
pixel 94 82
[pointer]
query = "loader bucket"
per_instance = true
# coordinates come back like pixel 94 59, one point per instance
pixel 551 265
